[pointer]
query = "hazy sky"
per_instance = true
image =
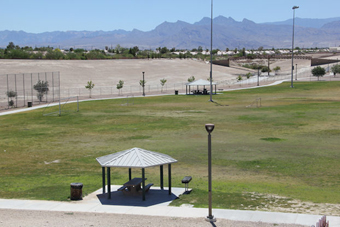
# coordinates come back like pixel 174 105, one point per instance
pixel 62 15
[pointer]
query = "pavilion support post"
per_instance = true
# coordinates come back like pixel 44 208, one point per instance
pixel 169 170
pixel 109 182
pixel 103 176
pixel 161 174
pixel 143 183
pixel 129 173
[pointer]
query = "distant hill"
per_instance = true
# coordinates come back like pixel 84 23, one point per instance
pixel 308 23
pixel 227 33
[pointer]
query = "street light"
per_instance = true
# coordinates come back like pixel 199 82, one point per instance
pixel 143 85
pixel 211 32
pixel 209 128
pixel 294 7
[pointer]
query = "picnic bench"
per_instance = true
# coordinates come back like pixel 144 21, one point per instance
pixel 133 187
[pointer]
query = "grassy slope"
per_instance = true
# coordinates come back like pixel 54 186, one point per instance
pixel 288 147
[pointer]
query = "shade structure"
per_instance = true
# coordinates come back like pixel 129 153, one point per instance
pixel 135 158
pixel 200 82
pixel 197 84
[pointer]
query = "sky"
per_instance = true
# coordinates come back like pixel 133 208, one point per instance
pixel 36 16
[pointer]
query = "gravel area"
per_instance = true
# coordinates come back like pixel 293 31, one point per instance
pixel 26 218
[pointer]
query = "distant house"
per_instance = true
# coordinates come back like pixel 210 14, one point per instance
pixel 334 49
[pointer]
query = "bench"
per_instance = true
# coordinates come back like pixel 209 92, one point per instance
pixel 147 187
pixel 121 188
pixel 186 181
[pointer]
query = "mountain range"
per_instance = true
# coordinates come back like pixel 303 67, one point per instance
pixel 227 33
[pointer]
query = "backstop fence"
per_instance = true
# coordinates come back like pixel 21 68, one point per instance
pixel 27 89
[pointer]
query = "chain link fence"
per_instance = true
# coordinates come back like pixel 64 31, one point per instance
pixel 30 89
pixel 27 89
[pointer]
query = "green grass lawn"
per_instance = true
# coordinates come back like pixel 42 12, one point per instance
pixel 289 146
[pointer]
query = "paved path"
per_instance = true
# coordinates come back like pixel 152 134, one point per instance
pixel 156 204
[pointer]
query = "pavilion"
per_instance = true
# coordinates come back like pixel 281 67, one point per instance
pixel 197 85
pixel 135 158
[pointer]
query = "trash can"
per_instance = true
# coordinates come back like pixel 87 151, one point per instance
pixel 29 104
pixel 176 92
pixel 76 191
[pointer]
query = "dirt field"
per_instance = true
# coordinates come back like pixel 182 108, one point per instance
pixel 75 74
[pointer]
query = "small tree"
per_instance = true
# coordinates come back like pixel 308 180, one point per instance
pixel 142 83
pixel 120 86
pixel 248 75
pixel 11 95
pixel 277 68
pixel 163 81
pixel 239 78
pixel 318 71
pixel 89 86
pixel 191 79
pixel 42 88
pixel 335 69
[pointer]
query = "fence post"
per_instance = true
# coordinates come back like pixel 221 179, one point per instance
pixel 16 97
pixel 7 93
pixel 23 84
pixel 31 88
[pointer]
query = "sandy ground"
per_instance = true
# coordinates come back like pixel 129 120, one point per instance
pixel 16 218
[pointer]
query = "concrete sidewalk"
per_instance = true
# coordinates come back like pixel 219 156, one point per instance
pixel 156 204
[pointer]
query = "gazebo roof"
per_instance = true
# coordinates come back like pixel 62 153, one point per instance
pixel 200 82
pixel 135 158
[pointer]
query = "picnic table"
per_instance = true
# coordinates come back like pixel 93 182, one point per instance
pixel 133 187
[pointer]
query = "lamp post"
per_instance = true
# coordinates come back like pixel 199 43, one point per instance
pixel 143 85
pixel 211 32
pixel 294 7
pixel 209 128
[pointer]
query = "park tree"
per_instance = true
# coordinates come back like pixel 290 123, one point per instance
pixel 318 71
pixel 118 49
pixel 239 78
pixel 90 86
pixel 120 86
pixel 164 50
pixel 10 46
pixel 42 88
pixel 191 79
pixel 134 51
pixel 335 69
pixel 142 83
pixel 248 75
pixel 163 81
pixel 277 68
pixel 11 94
pixel 200 49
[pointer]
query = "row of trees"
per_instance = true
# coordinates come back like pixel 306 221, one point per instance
pixel 90 85
pixel 13 51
